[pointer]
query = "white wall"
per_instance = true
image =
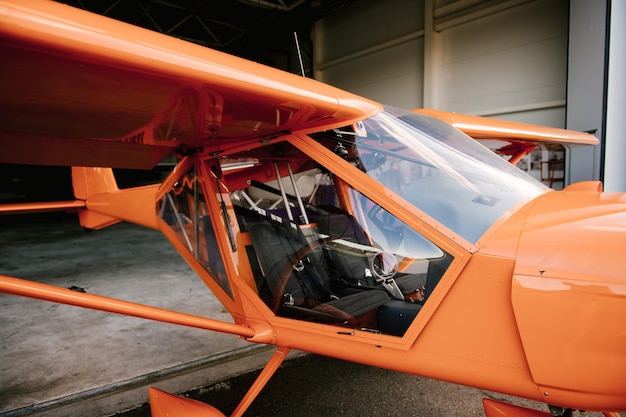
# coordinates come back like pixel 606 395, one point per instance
pixel 510 61
pixel 375 49
pixel 506 60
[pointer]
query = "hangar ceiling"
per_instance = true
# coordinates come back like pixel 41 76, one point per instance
pixel 260 30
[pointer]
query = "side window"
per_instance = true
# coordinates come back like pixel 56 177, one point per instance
pixel 413 254
pixel 184 209
pixel 322 252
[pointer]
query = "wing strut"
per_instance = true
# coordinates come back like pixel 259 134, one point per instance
pixel 31 289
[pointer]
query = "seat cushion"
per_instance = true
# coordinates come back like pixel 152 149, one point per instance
pixel 410 283
pixel 353 305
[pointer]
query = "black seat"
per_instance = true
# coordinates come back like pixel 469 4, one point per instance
pixel 354 264
pixel 298 286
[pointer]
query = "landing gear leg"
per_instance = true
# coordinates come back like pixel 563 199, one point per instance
pixel 265 375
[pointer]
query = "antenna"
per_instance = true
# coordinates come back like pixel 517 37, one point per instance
pixel 295 35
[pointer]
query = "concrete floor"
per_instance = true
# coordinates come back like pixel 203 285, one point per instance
pixel 53 357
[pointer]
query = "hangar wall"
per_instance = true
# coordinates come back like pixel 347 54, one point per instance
pixel 502 59
pixel 375 49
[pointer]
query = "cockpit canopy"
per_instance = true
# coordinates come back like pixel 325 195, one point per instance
pixel 437 168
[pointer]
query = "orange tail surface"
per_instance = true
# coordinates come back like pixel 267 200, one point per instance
pixel 106 204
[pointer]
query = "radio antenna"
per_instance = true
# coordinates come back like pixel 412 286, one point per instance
pixel 295 36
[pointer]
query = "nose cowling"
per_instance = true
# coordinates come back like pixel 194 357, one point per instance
pixel 569 298
pixel 575 235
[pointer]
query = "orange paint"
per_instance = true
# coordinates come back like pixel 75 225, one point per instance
pixel 524 286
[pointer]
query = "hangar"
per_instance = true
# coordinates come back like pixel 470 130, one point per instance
pixel 550 63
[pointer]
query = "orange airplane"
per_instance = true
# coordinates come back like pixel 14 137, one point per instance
pixel 323 221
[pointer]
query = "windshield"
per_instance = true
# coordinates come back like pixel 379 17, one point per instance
pixel 440 170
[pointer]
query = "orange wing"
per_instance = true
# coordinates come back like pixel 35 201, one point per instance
pixel 82 89
pixel 521 138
